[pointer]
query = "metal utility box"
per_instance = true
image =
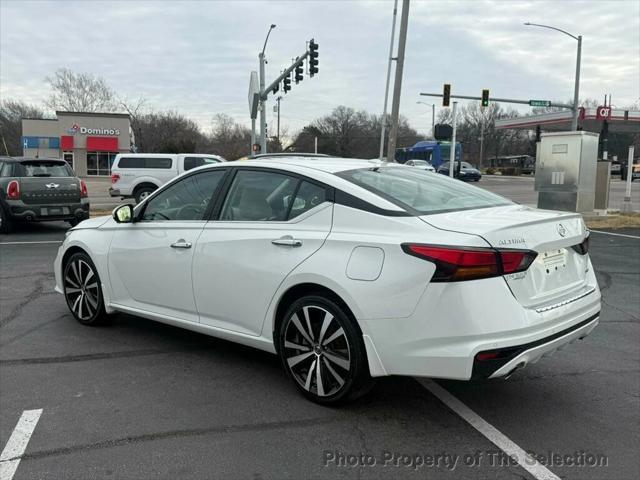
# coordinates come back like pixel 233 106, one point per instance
pixel 566 171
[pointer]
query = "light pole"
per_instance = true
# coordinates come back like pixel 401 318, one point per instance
pixel 263 96
pixel 576 91
pixel 433 116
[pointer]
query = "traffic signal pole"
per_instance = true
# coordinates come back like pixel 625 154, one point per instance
pixel 386 88
pixel 452 149
pixel 501 100
pixel 263 107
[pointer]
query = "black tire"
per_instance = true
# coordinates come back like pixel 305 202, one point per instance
pixel 73 222
pixel 82 290
pixel 329 366
pixel 143 192
pixel 6 224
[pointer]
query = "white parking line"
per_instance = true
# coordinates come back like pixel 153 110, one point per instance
pixel 17 444
pixel 489 431
pixel 29 243
pixel 614 234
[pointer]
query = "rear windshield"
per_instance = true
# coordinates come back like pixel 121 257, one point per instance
pixel 42 168
pixel 421 192
pixel 145 162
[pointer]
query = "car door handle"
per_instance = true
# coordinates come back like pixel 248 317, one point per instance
pixel 181 244
pixel 287 241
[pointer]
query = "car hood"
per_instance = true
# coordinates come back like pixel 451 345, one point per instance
pixel 95 222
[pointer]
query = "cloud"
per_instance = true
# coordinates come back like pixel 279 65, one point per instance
pixel 195 57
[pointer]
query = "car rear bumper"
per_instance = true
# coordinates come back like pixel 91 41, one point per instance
pixel 452 324
pixel 21 211
pixel 114 192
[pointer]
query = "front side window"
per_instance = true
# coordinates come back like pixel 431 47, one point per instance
pixel 422 192
pixel 185 200
pixel 259 196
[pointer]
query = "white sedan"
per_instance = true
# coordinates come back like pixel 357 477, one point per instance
pixel 346 269
pixel 423 164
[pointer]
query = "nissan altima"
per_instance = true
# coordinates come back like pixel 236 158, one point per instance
pixel 346 269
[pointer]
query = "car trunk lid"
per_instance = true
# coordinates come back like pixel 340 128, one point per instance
pixel 50 190
pixel 558 271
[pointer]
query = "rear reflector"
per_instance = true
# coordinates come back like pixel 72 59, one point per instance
pixel 470 263
pixel 13 190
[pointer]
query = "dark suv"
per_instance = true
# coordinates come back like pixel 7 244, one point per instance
pixel 40 189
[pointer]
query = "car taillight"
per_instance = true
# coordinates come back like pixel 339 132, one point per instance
pixel 84 193
pixel 114 177
pixel 13 190
pixel 582 248
pixel 455 264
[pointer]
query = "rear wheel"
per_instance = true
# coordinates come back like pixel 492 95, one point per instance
pixel 143 192
pixel 82 290
pixel 322 351
pixel 6 224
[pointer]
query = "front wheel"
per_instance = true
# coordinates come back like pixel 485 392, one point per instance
pixel 82 290
pixel 322 351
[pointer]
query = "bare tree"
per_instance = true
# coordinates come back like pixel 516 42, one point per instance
pixel 346 132
pixel 80 92
pixel 11 114
pixel 230 139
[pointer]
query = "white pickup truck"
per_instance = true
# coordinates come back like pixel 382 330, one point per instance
pixel 138 174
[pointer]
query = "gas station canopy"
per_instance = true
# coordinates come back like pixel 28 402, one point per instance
pixel 623 121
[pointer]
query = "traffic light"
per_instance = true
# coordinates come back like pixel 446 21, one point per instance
pixel 485 98
pixel 446 95
pixel 286 84
pixel 313 58
pixel 298 75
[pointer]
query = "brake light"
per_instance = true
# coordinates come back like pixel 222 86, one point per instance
pixel 115 177
pixel 13 190
pixel 582 248
pixel 84 193
pixel 470 263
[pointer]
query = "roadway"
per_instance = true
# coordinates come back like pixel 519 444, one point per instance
pixel 139 400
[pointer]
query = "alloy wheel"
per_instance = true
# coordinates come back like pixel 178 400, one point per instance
pixel 316 350
pixel 81 289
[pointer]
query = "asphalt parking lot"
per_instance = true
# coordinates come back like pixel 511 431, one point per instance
pixel 138 399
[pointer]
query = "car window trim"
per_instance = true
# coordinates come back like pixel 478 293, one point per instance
pixel 207 212
pixel 217 210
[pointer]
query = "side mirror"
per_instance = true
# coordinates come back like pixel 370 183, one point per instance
pixel 123 214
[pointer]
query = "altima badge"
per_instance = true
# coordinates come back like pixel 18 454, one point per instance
pixel 561 230
pixel 51 185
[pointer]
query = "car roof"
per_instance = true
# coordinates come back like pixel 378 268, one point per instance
pixel 30 159
pixel 325 163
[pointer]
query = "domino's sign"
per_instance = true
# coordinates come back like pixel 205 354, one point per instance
pixel 75 128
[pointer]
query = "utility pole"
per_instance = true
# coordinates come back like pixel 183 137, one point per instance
pixel 315 145
pixel 397 84
pixel 481 141
pixel 263 95
pixel 278 131
pixel 452 150
pixel 626 205
pixel 386 90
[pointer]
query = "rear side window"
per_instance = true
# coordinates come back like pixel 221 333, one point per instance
pixel 421 192
pixel 42 168
pixel 145 162
pixel 193 162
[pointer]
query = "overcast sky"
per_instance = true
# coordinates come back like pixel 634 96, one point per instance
pixel 196 57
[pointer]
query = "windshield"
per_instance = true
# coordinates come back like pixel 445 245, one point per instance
pixel 42 168
pixel 422 192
